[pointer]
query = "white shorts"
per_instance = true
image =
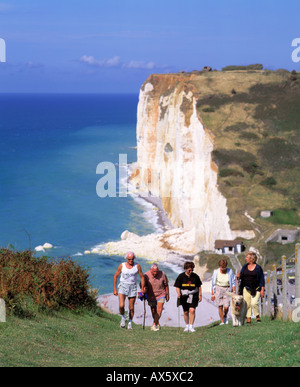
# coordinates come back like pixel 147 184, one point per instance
pixel 129 290
pixel 221 296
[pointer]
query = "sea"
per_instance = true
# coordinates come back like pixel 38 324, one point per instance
pixel 51 145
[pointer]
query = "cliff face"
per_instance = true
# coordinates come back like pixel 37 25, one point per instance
pixel 174 159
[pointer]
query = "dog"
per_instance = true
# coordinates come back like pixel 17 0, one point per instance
pixel 238 309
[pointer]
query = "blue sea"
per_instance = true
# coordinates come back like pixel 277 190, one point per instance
pixel 50 147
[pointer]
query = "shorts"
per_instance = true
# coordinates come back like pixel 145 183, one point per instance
pixel 129 290
pixel 221 296
pixel 161 300
pixel 186 306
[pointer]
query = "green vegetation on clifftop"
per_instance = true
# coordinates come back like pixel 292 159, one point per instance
pixel 254 117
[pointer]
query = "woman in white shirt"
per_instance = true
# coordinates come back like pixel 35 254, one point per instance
pixel 223 281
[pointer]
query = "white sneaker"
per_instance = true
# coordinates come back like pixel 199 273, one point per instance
pixel 222 323
pixel 186 329
pixel 123 322
pixel 225 320
pixel 192 329
pixel 129 326
pixel 155 328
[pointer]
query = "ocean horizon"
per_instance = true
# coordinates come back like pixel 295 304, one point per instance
pixel 50 147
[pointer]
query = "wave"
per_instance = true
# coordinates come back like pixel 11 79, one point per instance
pixel 150 212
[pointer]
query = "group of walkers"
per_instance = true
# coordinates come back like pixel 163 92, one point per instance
pixel 154 286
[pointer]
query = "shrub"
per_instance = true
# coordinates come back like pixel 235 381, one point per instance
pixel 224 157
pixel 278 153
pixel 49 283
pixel 269 182
pixel 246 160
pixel 238 127
pixel 248 136
pixel 249 67
pixel 208 110
pixel 230 172
pixel 252 168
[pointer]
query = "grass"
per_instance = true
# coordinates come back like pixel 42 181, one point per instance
pixel 89 339
pixel 285 216
pixel 256 139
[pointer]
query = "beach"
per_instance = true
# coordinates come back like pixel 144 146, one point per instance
pixel 166 244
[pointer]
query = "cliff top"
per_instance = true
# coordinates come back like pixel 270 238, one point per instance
pixel 254 116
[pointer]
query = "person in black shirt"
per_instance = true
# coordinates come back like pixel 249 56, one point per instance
pixel 189 293
pixel 252 285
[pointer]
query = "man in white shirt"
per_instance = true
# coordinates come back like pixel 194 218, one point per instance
pixel 127 286
pixel 223 281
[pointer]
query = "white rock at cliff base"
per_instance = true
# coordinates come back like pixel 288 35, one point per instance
pixel 39 248
pixel 95 251
pixel 170 246
pixel 47 246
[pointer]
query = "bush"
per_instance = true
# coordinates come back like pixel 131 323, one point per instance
pixel 246 160
pixel 238 127
pixel 249 67
pixel 209 110
pixel 269 182
pixel 248 136
pixel 49 283
pixel 230 172
pixel 278 153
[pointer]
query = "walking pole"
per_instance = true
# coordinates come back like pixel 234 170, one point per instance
pixel 178 315
pixel 144 313
pixel 143 296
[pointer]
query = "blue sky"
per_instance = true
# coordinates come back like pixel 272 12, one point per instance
pixel 110 46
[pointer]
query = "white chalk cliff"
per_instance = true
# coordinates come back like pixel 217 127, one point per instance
pixel 174 160
pixel 174 165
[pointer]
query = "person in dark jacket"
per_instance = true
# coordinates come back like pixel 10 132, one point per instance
pixel 252 285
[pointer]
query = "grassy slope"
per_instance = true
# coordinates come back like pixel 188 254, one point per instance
pixel 65 339
pixel 255 118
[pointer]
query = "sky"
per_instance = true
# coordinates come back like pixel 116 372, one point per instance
pixel 112 46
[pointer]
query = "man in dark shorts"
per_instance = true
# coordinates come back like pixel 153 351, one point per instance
pixel 188 287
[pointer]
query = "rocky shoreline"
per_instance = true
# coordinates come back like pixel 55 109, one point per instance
pixel 169 244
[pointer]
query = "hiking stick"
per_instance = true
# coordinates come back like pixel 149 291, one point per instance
pixel 178 315
pixel 144 313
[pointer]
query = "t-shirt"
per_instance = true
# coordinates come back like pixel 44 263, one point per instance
pixel 222 279
pixel 156 285
pixel 188 283
pixel 250 278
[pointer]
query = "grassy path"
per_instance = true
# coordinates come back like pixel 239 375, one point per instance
pixel 66 339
